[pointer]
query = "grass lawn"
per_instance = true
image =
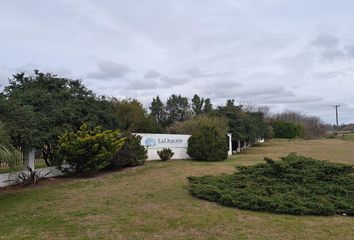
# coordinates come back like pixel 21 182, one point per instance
pixel 348 137
pixel 153 202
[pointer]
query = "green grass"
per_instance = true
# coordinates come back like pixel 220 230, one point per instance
pixel 348 137
pixel 153 202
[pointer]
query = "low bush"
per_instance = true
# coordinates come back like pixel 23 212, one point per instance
pixel 29 177
pixel 89 150
pixel 208 144
pixel 131 154
pixel 165 154
pixel 295 185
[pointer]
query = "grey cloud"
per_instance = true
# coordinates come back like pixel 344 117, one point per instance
pixel 194 72
pixel 152 74
pixel 205 48
pixel 350 50
pixel 110 70
pixel 141 84
pixel 222 84
pixel 332 54
pixel 327 75
pixel 167 82
pixel 326 41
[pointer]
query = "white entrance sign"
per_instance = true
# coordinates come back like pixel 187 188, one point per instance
pixel 177 142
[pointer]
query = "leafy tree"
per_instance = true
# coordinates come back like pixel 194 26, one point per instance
pixel 243 125
pixel 177 108
pixel 193 125
pixel 285 129
pixel 197 104
pixel 208 107
pixel 40 107
pixel 132 117
pixel 8 154
pixel 157 110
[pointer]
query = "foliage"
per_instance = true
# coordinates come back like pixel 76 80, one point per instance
pixel 295 185
pixel 243 125
pixel 157 110
pixel 192 125
pixel 208 107
pixel 313 126
pixel 197 104
pixel 131 116
pixel 29 177
pixel 208 144
pixel 8 154
pixel 177 108
pixel 165 154
pixel 284 129
pixel 40 107
pixel 88 151
pixel 131 154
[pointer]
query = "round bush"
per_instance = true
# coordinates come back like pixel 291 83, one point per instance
pixel 131 154
pixel 295 185
pixel 89 150
pixel 208 144
pixel 165 154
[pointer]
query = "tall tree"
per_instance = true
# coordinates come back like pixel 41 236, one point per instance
pixel 177 108
pixel 132 117
pixel 157 110
pixel 43 106
pixel 197 104
pixel 208 107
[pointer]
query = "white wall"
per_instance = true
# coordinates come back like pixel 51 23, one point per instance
pixel 6 179
pixel 178 143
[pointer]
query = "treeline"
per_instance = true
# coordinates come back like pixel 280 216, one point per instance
pixel 38 108
pixel 303 126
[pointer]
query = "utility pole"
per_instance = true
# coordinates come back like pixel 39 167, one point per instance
pixel 337 106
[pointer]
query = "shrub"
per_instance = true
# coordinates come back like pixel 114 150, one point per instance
pixel 285 129
pixel 165 154
pixel 131 154
pixel 208 144
pixel 295 185
pixel 88 151
pixel 29 177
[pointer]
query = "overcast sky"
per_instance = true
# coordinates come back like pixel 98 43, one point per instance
pixel 282 53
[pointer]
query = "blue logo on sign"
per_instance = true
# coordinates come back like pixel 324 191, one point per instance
pixel 150 142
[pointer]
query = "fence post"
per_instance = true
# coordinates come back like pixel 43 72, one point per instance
pixel 230 143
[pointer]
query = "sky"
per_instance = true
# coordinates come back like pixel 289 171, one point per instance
pixel 284 54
